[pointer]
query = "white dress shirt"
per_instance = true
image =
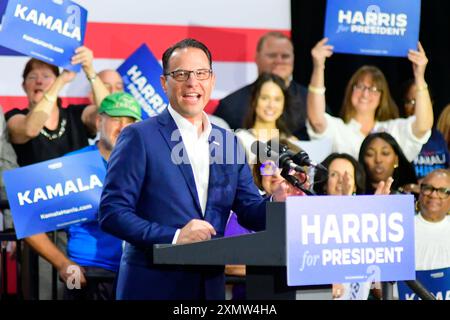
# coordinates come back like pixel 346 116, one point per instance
pixel 197 149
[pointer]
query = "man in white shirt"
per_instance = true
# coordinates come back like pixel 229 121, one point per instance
pixel 433 222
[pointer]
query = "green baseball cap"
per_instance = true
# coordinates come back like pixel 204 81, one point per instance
pixel 121 104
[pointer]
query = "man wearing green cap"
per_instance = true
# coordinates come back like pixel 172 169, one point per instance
pixel 92 253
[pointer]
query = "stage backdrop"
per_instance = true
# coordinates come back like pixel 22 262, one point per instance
pixel 230 28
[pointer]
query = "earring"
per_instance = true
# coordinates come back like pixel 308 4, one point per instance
pixel 417 206
pixel 396 166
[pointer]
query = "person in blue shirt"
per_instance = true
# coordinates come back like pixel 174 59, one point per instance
pixel 96 253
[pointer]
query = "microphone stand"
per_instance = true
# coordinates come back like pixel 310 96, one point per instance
pixel 294 181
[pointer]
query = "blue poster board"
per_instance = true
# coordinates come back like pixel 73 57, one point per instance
pixel 435 281
pixel 55 194
pixel 141 76
pixel 48 30
pixel 338 239
pixel 373 27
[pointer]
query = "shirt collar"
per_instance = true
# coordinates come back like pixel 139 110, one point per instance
pixel 186 126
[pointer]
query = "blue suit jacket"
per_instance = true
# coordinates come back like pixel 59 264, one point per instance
pixel 147 197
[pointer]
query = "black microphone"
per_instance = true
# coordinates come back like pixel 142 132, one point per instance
pixel 283 155
pixel 302 158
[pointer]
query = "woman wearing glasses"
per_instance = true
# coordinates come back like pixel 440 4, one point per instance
pixel 45 130
pixel 368 107
pixel 432 226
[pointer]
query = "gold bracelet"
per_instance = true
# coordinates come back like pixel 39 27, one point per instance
pixel 422 88
pixel 49 98
pixel 316 90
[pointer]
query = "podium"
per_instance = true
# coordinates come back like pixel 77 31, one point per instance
pixel 264 254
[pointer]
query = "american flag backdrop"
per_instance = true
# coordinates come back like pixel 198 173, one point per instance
pixel 230 28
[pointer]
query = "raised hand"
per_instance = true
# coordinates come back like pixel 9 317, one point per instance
pixel 346 185
pixel 320 52
pixel 85 57
pixel 384 187
pixel 67 76
pixel 419 61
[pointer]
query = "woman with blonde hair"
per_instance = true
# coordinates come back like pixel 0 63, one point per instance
pixel 368 107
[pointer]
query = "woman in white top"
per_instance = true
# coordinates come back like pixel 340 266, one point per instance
pixel 368 107
pixel 268 115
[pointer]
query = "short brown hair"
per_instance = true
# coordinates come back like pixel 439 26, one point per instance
pixel 34 63
pixel 273 34
pixel 183 44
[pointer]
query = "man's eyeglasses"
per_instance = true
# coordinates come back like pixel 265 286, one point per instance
pixel 427 190
pixel 183 75
pixel 361 88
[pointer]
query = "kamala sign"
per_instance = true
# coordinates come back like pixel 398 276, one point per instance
pixel 337 239
pixel 48 30
pixel 54 194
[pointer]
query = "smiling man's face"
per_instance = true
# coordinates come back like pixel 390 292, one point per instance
pixel 189 97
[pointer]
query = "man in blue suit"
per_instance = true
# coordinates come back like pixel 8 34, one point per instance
pixel 174 179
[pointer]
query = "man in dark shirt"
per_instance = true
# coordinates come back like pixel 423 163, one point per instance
pixel 274 54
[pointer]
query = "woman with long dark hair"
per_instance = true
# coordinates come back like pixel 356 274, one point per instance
pixel 382 157
pixel 269 114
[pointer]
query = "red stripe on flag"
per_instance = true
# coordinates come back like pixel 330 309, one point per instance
pixel 11 102
pixel 118 41
pixel 211 106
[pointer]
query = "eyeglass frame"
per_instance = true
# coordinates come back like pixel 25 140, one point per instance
pixel 442 193
pixel 371 90
pixel 172 73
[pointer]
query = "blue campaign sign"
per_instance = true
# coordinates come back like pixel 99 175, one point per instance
pixel 140 74
pixel 48 30
pixel 338 239
pixel 373 27
pixel 54 194
pixel 435 281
